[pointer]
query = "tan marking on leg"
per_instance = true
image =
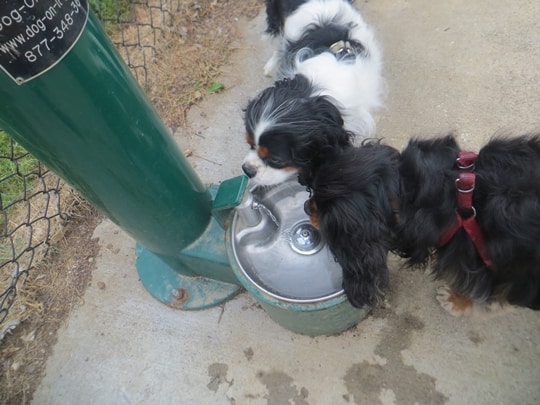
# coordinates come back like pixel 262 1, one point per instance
pixel 314 221
pixel 455 304
pixel 310 208
pixel 459 305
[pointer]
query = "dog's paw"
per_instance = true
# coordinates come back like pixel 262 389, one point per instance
pixel 459 305
pixel 454 303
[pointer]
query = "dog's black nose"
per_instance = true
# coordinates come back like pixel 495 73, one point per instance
pixel 249 170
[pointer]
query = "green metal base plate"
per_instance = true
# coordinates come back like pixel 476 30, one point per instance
pixel 177 290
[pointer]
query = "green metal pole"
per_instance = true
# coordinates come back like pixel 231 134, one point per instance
pixel 87 119
pixel 70 100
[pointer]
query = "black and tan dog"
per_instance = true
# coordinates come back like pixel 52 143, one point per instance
pixel 476 216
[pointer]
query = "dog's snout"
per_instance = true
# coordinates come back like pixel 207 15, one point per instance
pixel 249 170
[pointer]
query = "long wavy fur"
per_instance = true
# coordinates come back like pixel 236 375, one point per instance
pixel 352 198
pixel 372 200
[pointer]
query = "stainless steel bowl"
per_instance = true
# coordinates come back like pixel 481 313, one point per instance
pixel 279 251
pixel 282 261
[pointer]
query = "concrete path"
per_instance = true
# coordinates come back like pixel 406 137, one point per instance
pixel 468 66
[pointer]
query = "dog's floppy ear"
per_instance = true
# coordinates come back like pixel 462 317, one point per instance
pixel 353 196
pixel 358 237
pixel 323 137
pixel 332 122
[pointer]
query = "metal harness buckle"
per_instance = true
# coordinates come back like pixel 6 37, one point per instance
pixel 341 46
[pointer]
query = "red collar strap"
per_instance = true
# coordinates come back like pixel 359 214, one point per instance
pixel 465 186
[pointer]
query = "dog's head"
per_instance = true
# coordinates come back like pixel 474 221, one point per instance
pixel 290 131
pixel 353 205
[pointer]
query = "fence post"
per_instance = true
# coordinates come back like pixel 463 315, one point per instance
pixel 69 99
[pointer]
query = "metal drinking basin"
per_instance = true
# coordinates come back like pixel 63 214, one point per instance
pixel 282 260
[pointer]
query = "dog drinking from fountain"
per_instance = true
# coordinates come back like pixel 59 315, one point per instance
pixel 327 84
pixel 476 216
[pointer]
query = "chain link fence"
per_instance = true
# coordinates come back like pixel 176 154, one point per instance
pixel 136 27
pixel 30 215
pixel 34 203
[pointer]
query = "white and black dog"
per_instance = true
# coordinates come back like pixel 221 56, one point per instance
pixel 476 216
pixel 328 82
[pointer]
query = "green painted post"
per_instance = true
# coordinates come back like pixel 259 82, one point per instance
pixel 70 100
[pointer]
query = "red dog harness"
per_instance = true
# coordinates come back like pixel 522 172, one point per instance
pixel 465 186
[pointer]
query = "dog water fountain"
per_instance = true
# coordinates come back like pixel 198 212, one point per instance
pixel 77 108
pixel 282 260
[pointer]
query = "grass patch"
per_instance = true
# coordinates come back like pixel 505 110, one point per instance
pixel 215 87
pixel 112 12
pixel 17 171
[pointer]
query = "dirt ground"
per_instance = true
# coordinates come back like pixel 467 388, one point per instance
pixel 177 80
pixel 57 285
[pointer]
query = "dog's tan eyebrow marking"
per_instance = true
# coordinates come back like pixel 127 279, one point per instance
pixel 263 152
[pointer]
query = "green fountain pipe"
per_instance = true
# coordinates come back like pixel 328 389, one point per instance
pixel 69 99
